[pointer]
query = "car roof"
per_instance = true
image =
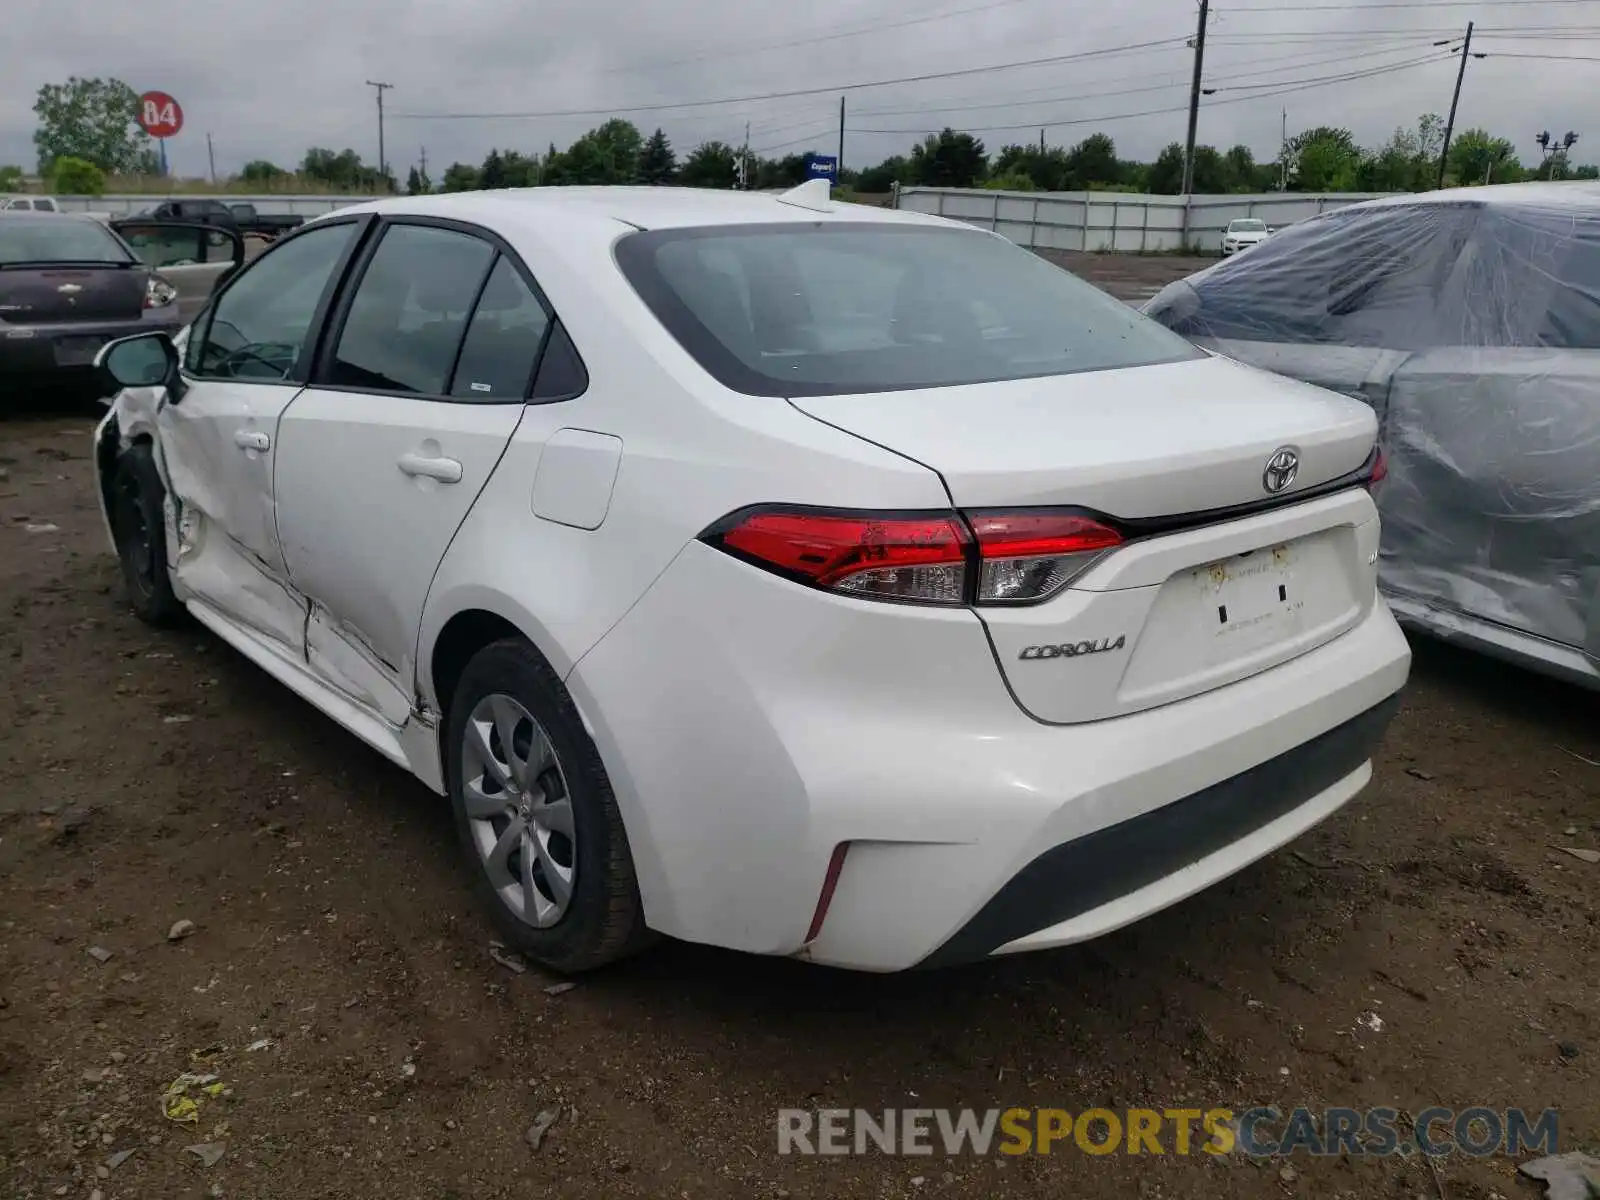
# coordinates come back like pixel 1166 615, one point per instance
pixel 28 214
pixel 642 207
pixel 1574 193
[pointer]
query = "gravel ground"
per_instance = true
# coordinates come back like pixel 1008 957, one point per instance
pixel 338 982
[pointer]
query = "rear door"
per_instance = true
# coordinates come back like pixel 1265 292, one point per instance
pixel 417 392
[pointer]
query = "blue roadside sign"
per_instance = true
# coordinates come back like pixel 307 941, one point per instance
pixel 822 166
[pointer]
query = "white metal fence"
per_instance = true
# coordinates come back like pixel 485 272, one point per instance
pixel 304 206
pixel 1123 221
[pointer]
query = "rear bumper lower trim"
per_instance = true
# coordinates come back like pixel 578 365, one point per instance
pixel 1081 875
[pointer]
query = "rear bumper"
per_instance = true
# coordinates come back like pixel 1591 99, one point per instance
pixel 32 350
pixel 1086 887
pixel 750 727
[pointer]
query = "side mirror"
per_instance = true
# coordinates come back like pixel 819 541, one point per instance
pixel 143 360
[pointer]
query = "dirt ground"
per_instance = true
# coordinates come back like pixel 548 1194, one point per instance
pixel 339 983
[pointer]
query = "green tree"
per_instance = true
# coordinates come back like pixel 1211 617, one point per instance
pixel 949 159
pixel 261 171
pixel 882 178
pixel 1478 157
pixel 93 120
pixel 711 165
pixel 608 154
pixel 459 177
pixel 418 183
pixel 786 172
pixel 1240 163
pixel 343 170
pixel 11 179
pixel 71 176
pixel 1324 159
pixel 1212 174
pixel 1165 177
pixel 658 165
pixel 1093 160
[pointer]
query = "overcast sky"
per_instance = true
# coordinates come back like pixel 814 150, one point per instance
pixel 267 78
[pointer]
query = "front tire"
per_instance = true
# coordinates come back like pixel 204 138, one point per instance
pixel 139 526
pixel 536 816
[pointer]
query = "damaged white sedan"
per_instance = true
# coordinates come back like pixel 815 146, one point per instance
pixel 768 572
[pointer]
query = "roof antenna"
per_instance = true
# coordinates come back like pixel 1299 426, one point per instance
pixel 813 194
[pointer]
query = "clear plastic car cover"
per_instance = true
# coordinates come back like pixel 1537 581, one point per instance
pixel 1470 321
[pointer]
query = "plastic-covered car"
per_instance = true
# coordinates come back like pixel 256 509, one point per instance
pixel 1470 320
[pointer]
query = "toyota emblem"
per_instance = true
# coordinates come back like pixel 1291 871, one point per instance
pixel 1281 469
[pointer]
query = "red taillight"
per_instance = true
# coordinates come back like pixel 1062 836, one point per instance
pixel 923 558
pixel 917 558
pixel 1380 470
pixel 1030 556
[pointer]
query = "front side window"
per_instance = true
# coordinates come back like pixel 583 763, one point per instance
pixel 503 340
pixel 260 324
pixel 410 310
pixel 833 309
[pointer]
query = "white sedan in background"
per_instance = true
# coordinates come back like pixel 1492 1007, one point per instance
pixel 768 572
pixel 1243 233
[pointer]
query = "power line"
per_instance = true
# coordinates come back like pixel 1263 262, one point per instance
pixel 1151 112
pixel 1546 57
pixel 1109 51
pixel 1436 5
pixel 762 47
pixel 1285 65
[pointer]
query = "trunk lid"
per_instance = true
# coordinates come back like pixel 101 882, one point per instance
pixel 1196 598
pixel 57 295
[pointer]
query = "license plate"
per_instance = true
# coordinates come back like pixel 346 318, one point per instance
pixel 1252 599
pixel 77 351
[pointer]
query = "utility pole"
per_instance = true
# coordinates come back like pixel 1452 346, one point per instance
pixel 1283 154
pixel 1194 99
pixel 1450 125
pixel 424 168
pixel 744 160
pixel 839 166
pixel 383 162
pixel 211 158
pixel 1041 142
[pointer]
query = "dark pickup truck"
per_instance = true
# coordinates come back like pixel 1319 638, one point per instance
pixel 242 219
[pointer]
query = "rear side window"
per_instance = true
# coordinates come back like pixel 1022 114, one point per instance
pixel 503 340
pixel 410 311
pixel 837 308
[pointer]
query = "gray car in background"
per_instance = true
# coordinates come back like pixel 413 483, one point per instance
pixel 1470 320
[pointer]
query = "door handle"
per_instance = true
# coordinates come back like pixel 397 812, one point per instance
pixel 445 470
pixel 251 439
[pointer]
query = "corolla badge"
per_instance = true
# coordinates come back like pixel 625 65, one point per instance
pixel 1281 469
pixel 1073 649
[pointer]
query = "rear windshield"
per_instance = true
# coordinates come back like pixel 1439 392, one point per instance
pixel 836 308
pixel 58 239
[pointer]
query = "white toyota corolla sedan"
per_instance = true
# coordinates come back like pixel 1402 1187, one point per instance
pixel 765 571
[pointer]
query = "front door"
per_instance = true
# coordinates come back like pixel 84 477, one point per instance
pixel 381 457
pixel 218 441
pixel 192 257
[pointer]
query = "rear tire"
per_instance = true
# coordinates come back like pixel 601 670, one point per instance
pixel 139 526
pixel 537 820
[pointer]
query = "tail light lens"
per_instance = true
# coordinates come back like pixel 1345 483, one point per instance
pixel 933 558
pixel 1380 470
pixel 1027 557
pixel 921 559
pixel 158 293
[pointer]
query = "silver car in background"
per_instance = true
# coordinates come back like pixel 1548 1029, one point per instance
pixel 1470 320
